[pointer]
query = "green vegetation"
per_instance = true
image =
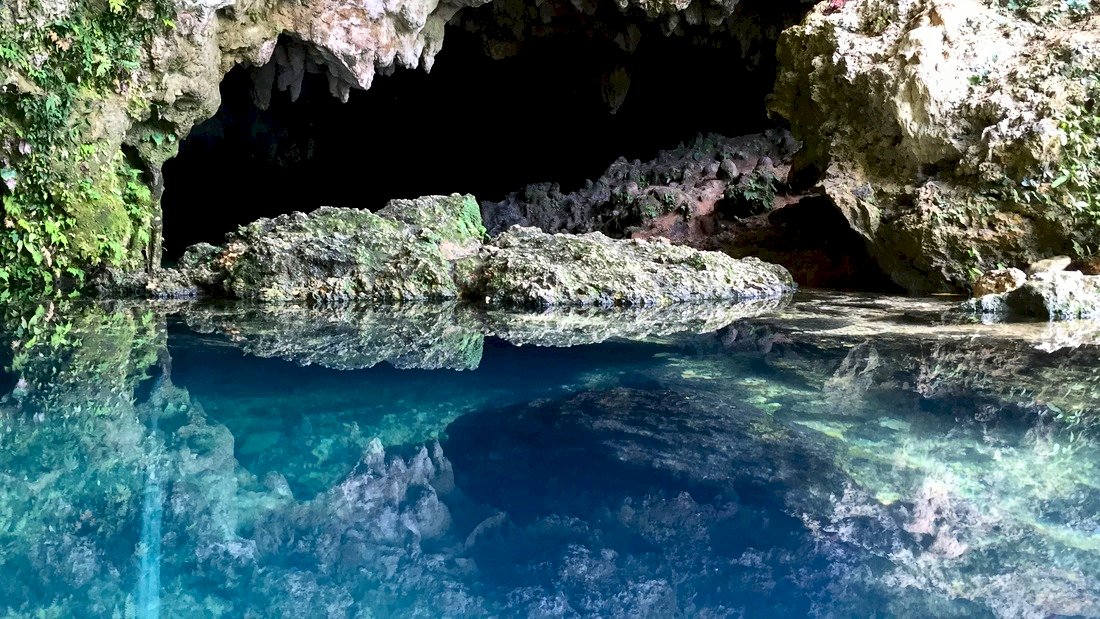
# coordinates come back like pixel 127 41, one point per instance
pixel 1068 191
pixel 70 202
pixel 753 194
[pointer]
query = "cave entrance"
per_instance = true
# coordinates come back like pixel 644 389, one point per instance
pixel 552 110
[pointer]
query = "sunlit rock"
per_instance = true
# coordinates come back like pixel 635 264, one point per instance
pixel 528 268
pixel 998 281
pixel 1045 295
pixel 432 248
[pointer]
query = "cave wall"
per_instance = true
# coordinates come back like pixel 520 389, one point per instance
pixel 82 79
pixel 475 124
pixel 953 135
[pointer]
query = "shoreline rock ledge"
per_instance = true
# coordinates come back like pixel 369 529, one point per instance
pixel 1046 292
pixel 435 248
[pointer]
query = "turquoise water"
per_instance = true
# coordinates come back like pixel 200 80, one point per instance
pixel 844 456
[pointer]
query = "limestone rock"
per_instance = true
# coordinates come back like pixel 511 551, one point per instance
pixel 998 281
pixel 401 253
pixel 1048 295
pixel 528 268
pixel 1057 263
pixel 933 126
pixel 677 194
pixel 431 249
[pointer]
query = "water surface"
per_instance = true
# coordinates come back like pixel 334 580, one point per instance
pixel 840 456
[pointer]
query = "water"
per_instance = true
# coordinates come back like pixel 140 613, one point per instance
pixel 842 456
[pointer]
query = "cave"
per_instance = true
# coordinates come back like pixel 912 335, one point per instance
pixel 497 111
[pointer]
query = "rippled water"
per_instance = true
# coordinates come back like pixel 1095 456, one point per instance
pixel 841 456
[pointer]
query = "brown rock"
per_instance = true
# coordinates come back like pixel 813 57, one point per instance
pixel 1088 266
pixel 998 281
pixel 1057 263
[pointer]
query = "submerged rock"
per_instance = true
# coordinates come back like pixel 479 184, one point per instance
pixel 432 248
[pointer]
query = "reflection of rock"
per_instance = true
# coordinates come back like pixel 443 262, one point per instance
pixel 575 326
pixel 350 337
pixel 433 336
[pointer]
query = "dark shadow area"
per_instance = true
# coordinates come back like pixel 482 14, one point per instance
pixel 474 125
pixel 813 241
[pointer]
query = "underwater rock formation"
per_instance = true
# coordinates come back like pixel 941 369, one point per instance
pixel 842 453
pixel 952 134
pixel 431 249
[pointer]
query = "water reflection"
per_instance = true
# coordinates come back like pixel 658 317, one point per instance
pixel 843 456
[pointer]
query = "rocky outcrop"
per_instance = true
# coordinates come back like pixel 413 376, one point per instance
pixel 528 268
pixel 681 194
pixel 953 135
pixel 998 281
pixel 431 248
pixel 95 99
pixel 1046 295
pixel 732 195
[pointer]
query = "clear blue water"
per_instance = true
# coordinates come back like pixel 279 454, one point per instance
pixel 842 456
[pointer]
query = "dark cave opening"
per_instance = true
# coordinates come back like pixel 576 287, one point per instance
pixel 473 125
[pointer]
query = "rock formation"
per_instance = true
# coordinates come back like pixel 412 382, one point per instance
pixel 952 134
pixel 95 99
pixel 431 249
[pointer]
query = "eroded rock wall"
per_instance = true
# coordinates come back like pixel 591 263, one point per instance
pixel 954 135
pixel 95 97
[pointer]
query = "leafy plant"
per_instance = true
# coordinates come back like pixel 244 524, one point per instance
pixel 53 175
